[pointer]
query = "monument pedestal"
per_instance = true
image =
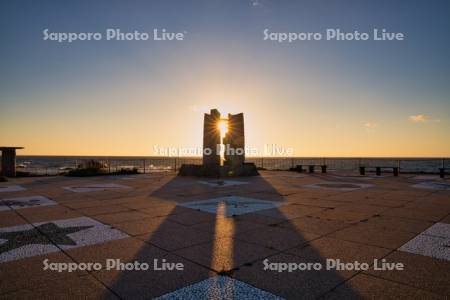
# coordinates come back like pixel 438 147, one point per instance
pixel 246 169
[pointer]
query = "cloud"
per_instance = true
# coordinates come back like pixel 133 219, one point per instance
pixel 420 118
pixel 263 5
pixel 370 126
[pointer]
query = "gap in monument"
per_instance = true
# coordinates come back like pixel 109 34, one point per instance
pixel 222 125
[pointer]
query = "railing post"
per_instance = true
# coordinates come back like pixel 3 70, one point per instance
pixel 144 165
pixel 262 162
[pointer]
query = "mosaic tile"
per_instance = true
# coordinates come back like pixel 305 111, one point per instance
pixel 96 187
pixel 11 188
pixel 219 287
pixel 28 240
pixel 222 183
pixel 433 242
pixel 342 186
pixel 231 205
pixel 25 202
pixel 433 185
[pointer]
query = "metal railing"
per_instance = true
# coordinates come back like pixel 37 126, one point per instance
pixel 48 165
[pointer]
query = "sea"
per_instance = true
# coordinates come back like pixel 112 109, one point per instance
pixel 54 165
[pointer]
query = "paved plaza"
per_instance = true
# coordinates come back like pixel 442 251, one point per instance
pixel 272 236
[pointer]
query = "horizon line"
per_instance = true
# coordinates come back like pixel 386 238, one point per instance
pixel 269 157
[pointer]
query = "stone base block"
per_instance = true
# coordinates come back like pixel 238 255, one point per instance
pixel 246 169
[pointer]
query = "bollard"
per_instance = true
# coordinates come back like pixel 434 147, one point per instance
pixel 311 168
pixel 362 171
pixel 378 171
pixel 441 172
pixel 324 168
pixel 396 171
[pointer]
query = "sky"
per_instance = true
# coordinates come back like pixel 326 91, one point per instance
pixel 318 98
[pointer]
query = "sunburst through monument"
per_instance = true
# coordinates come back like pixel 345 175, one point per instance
pixel 228 133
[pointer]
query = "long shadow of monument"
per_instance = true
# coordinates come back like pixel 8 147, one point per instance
pixel 237 246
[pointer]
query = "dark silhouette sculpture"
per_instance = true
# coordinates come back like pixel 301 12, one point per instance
pixel 234 149
pixel 211 138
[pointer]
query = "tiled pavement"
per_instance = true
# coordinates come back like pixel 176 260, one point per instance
pixel 304 219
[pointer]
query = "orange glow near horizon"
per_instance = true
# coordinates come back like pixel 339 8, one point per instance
pixel 135 129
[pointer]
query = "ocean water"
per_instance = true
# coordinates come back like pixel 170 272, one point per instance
pixel 52 165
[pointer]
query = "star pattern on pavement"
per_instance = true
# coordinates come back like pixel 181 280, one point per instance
pixel 45 234
pixel 8 203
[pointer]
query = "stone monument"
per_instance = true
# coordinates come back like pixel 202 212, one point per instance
pixel 234 149
pixel 234 142
pixel 211 138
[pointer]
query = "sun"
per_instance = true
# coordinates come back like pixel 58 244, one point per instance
pixel 222 125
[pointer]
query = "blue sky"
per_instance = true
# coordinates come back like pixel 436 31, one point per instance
pixel 344 98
